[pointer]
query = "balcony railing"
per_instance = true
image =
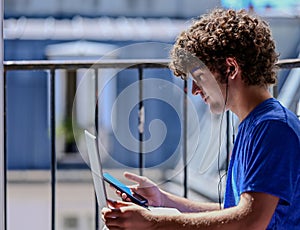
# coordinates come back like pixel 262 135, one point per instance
pixel 52 66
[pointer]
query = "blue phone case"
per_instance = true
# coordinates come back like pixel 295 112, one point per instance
pixel 135 198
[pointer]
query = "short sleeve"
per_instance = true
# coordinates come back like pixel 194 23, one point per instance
pixel 272 163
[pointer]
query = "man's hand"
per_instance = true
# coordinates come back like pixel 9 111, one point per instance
pixel 144 187
pixel 124 215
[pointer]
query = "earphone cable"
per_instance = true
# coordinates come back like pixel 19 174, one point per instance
pixel 219 152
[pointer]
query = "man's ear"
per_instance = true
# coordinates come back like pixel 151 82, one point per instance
pixel 232 67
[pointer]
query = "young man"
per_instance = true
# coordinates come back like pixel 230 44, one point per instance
pixel 231 58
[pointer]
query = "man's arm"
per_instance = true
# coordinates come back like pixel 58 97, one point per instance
pixel 161 198
pixel 254 211
pixel 185 205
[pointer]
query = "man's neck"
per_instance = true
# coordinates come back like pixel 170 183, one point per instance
pixel 247 98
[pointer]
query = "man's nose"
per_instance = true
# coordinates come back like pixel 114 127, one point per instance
pixel 195 89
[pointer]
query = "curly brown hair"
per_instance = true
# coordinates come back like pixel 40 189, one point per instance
pixel 227 33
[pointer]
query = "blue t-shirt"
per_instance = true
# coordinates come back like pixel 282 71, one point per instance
pixel 266 158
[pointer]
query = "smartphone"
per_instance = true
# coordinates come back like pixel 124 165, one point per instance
pixel 134 197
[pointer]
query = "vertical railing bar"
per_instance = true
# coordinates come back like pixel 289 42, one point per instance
pixel 4 157
pixel 5 149
pixel 141 117
pixel 96 100
pixel 3 164
pixel 275 91
pixel 185 169
pixel 53 147
pixel 96 125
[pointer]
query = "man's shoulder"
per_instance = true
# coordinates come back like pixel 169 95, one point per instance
pixel 274 113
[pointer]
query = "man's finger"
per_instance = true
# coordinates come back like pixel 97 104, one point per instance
pixel 118 204
pixel 134 177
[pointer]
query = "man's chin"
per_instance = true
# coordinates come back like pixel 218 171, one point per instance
pixel 217 109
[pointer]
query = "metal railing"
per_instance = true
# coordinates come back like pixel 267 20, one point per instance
pixel 52 66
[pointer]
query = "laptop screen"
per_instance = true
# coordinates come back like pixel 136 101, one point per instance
pixel 96 169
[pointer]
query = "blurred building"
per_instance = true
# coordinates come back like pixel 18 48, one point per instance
pixel 32 28
pixel 94 29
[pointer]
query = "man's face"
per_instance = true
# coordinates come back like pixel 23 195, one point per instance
pixel 212 92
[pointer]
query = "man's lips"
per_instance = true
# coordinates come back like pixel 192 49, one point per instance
pixel 205 99
pixel 204 96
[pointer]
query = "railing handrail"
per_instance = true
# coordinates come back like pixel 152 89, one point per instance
pixel 110 63
pixel 77 64
pixel 289 63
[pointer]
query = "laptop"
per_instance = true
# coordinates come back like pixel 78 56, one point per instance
pixel 98 179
